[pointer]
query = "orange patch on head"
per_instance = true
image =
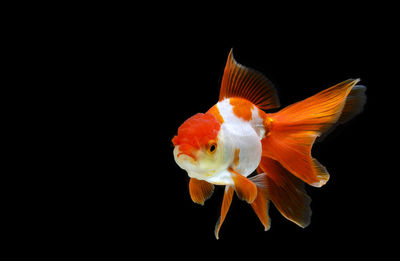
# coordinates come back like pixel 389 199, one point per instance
pixel 214 111
pixel 196 132
pixel 242 108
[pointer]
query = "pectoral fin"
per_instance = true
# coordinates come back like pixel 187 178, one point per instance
pixel 200 190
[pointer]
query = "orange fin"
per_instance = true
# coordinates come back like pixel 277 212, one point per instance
pixel 200 190
pixel 226 203
pixel 260 204
pixel 287 192
pixel 243 82
pixel 293 130
pixel 354 105
pixel 245 189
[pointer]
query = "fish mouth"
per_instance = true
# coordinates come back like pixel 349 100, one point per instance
pixel 187 154
pixel 185 159
pixel 186 150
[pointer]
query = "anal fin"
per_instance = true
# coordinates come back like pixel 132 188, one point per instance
pixel 286 192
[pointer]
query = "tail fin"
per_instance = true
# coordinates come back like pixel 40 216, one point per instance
pixel 354 105
pixel 293 130
pixel 286 192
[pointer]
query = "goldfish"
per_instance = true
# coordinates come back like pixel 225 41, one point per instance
pixel 261 156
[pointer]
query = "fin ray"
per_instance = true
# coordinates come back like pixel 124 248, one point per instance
pixel 243 82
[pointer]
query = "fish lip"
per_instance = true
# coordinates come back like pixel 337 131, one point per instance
pixel 187 154
pixel 185 151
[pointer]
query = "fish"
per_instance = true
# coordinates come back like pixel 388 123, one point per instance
pixel 258 152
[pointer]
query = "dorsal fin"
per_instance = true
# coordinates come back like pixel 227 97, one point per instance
pixel 243 82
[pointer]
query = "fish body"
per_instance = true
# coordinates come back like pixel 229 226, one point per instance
pixel 236 137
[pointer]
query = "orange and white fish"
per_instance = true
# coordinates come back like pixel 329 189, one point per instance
pixel 225 145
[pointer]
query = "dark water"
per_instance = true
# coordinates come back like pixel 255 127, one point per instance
pixel 124 195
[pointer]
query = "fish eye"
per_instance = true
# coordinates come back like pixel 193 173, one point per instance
pixel 212 147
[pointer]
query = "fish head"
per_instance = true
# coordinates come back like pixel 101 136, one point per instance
pixel 199 147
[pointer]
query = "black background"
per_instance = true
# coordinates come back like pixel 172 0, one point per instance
pixel 133 83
